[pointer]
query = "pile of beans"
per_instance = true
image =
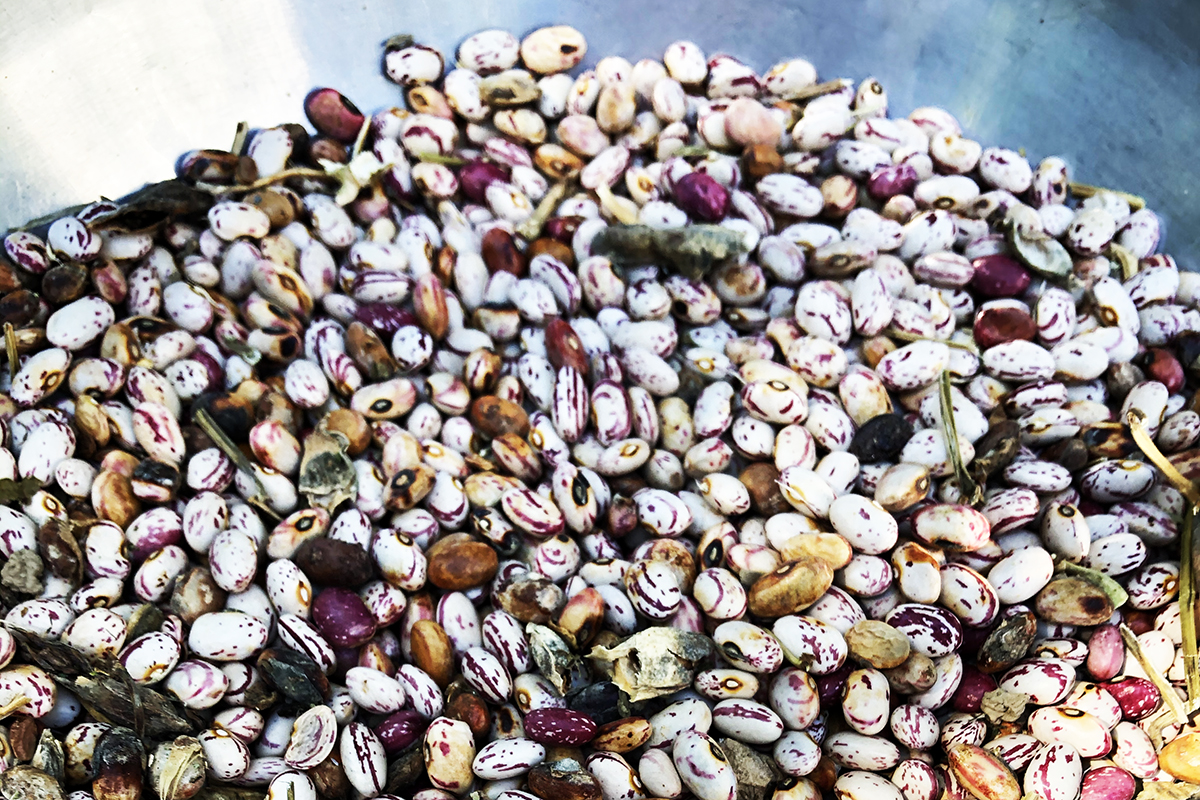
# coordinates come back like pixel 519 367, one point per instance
pixel 350 465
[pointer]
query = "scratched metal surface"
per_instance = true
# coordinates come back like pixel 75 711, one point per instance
pixel 98 97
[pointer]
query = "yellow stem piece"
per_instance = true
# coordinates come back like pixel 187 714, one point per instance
pixel 13 706
pixel 298 172
pixel 1141 437
pixel 10 346
pixel 1165 689
pixel 1086 190
pixel 1187 607
pixel 818 89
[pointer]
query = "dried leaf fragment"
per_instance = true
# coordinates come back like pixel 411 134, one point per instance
pixel 1001 705
pixel 327 476
pixel 554 659
pixel 692 250
pixel 654 662
pixel 1161 790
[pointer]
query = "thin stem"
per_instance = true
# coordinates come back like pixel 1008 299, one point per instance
pixel 1187 606
pixel 609 202
pixel 966 484
pixel 1187 564
pixel 438 158
pixel 226 445
pixel 816 90
pixel 13 706
pixel 1165 689
pixel 10 346
pixel 297 172
pixel 1141 437
pixel 532 227
pixel 1086 190
pixel 361 139
pixel 1127 260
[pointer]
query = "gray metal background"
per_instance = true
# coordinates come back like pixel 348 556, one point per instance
pixel 99 96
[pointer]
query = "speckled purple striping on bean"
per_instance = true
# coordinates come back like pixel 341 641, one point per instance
pixel 747 721
pixel 856 751
pixel 507 758
pixel 818 642
pixel 1137 697
pixel 27 251
pixel 1055 773
pixel 485 672
pixel 374 691
pixel 1015 749
pixel 421 690
pixel 1108 783
pixel 866 701
pixel 1046 680
pixel 1134 751
pixel 611 416
pixel 559 726
pixel 653 588
pixel 504 636
pixel 531 512
pixel 968 595
pixel 703 767
pixel 931 630
pixel 299 634
pixel 363 758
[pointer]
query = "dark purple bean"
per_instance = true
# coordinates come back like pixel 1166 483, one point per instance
pixel 342 617
pixel 400 730
pixel 475 177
pixel 701 196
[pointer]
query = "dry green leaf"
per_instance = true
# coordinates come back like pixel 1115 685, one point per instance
pixel 655 661
pixel 1161 790
pixel 18 491
pixel 1001 705
pixel 691 251
pixel 327 476
pixel 971 492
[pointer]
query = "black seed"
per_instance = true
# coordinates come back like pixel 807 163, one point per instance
pixel 881 439
pixel 714 554
pixel 579 490
pixel 600 701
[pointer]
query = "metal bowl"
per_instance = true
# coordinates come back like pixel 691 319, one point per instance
pixel 98 97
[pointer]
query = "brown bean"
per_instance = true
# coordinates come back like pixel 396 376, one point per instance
pixel 353 426
pixel 551 247
pixel 432 651
pixel 563 347
pixel 762 481
pixel 1068 600
pixel 555 782
pixel 332 562
pixel 500 253
pixel 459 561
pixel 622 735
pixel 493 416
pixel 790 588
